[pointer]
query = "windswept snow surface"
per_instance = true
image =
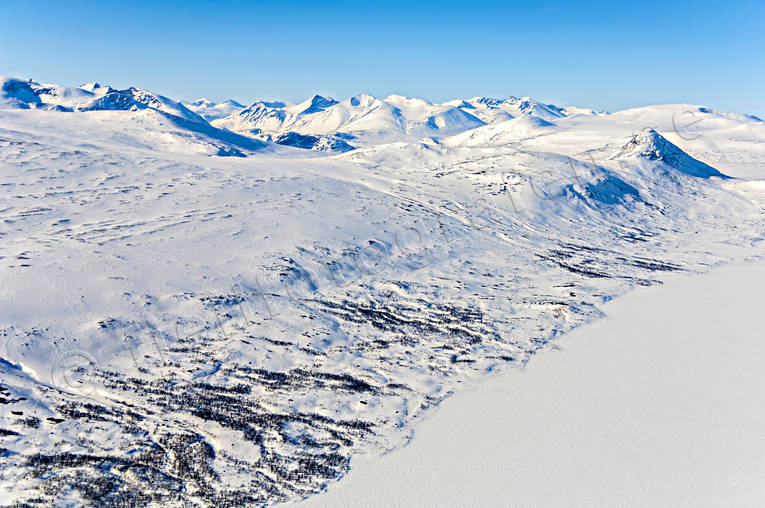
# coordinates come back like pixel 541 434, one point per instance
pixel 368 121
pixel 184 328
pixel 210 110
pixel 660 404
pixel 16 93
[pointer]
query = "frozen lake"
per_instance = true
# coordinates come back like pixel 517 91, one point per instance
pixel 660 404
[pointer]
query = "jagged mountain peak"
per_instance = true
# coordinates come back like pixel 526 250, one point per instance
pixel 211 110
pixel 315 104
pixel 649 144
pixel 26 94
pixel 94 86
pixel 133 98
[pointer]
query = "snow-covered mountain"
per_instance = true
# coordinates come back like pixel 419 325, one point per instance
pixel 497 110
pixel 15 93
pixel 179 328
pixel 210 110
pixel 369 120
pixel 502 132
pixel 152 120
pixel 650 146
pixel 319 123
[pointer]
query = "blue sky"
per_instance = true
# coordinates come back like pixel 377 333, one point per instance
pixel 601 55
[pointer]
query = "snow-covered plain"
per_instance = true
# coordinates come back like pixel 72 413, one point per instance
pixel 660 404
pixel 194 315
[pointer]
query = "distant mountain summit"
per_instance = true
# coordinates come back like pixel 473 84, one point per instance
pixel 322 123
pixel 318 123
pixel 316 104
pixel 20 94
pixel 493 110
pixel 651 146
pixel 370 120
pixel 210 110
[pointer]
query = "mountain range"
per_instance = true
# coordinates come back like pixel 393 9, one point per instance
pixel 319 123
pixel 212 304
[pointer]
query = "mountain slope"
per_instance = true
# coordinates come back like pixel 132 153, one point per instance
pixel 183 330
pixel 364 118
pixel 15 93
pixel 370 121
pixel 649 145
pixel 210 110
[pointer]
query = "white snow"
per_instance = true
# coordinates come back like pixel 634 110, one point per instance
pixel 26 94
pixel 210 110
pixel 181 310
pixel 660 404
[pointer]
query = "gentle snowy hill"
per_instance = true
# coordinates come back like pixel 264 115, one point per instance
pixel 317 115
pixel 502 133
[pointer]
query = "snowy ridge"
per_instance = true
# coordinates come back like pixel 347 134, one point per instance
pixel 649 145
pixel 370 120
pixel 319 123
pixel 15 93
pixel 210 110
pixel 180 328
pixel 181 129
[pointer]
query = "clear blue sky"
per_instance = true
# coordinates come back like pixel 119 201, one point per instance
pixel 608 55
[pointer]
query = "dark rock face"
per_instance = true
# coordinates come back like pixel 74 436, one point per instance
pixel 297 140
